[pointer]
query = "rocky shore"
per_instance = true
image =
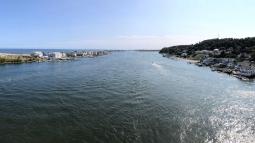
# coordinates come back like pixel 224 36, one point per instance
pixel 6 58
pixel 242 70
pixel 231 56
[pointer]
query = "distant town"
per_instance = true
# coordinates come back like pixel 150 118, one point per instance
pixel 232 56
pixel 40 56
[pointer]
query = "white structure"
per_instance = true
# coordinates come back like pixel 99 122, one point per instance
pixel 216 52
pixel 37 54
pixel 58 55
pixel 73 54
pixel 184 55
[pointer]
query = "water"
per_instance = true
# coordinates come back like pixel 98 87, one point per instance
pixel 125 97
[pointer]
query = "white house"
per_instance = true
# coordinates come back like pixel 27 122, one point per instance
pixel 216 52
pixel 58 55
pixel 37 54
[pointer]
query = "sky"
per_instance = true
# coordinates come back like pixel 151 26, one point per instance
pixel 121 24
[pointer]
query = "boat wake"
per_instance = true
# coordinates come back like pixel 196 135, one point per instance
pixel 156 65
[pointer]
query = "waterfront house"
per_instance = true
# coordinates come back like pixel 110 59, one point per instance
pixel 216 52
pixel 244 56
pixel 184 55
pixel 37 54
pixel 72 54
pixel 85 53
pixel 227 61
pixel 80 54
pixel 58 55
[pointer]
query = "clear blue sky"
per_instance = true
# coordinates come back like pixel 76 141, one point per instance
pixel 121 24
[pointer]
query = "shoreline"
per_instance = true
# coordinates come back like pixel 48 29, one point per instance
pixel 39 56
pixel 190 61
pixel 228 55
pixel 224 70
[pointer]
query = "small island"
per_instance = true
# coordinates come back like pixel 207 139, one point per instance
pixel 40 56
pixel 232 56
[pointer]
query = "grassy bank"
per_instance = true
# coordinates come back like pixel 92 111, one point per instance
pixel 17 59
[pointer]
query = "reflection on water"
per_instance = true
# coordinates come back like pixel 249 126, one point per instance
pixel 123 97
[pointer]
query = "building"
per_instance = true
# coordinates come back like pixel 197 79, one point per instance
pixel 37 54
pixel 216 52
pixel 58 55
pixel 184 55
pixel 72 54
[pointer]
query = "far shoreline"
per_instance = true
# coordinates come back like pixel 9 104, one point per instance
pixel 40 56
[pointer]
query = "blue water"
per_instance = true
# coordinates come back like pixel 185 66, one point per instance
pixel 124 97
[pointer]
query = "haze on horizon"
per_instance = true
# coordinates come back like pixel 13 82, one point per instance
pixel 115 24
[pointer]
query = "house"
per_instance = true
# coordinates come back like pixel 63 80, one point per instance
pixel 226 61
pixel 184 55
pixel 89 53
pixel 37 54
pixel 58 55
pixel 216 52
pixel 72 54
pixel 244 56
pixel 85 53
pixel 80 54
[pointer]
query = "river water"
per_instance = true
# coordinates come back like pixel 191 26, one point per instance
pixel 124 97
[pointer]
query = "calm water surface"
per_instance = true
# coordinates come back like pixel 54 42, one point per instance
pixel 125 97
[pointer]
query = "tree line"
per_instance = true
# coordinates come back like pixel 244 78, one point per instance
pixel 229 47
